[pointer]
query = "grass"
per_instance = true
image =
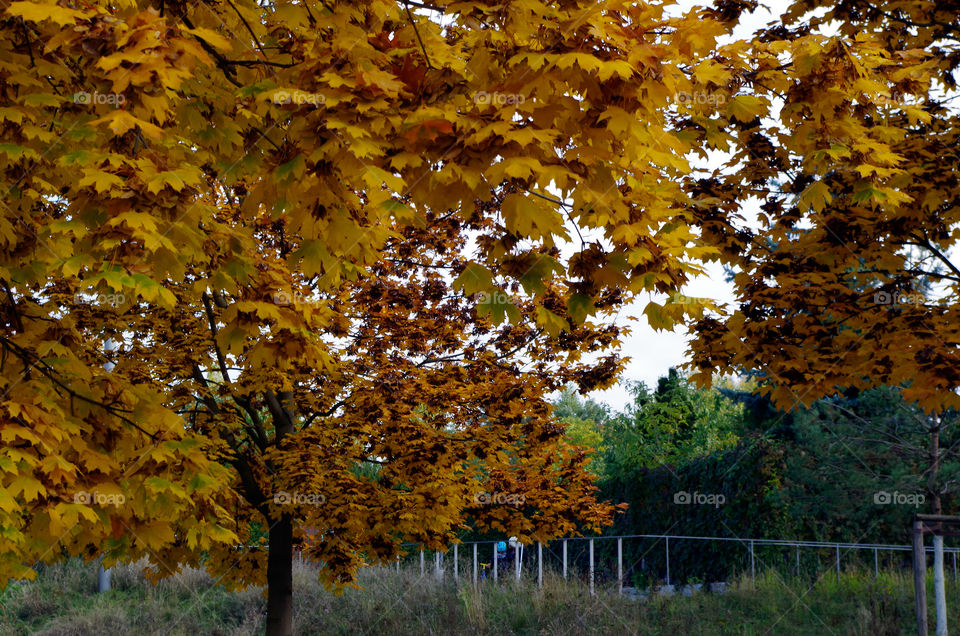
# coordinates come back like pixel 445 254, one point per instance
pixel 62 601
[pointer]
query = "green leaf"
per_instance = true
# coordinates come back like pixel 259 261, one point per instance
pixel 551 322
pixel 475 278
pixel 580 306
pixel 15 152
pixel 296 167
pixel 496 307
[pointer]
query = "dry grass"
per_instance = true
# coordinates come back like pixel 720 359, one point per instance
pixel 63 602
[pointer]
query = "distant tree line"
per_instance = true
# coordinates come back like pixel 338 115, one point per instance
pixel 854 467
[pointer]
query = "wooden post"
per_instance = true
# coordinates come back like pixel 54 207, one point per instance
pixel 954 566
pixel 564 558
pixel 920 578
pixel 438 568
pixel 798 560
pixel 753 569
pixel 591 567
pixel 421 561
pixel 620 566
pixel 474 565
pixel 876 564
pixel 540 564
pixel 456 564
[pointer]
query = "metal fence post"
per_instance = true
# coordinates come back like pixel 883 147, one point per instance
pixel 666 551
pixel 919 561
pixel 516 558
pixel 620 565
pixel 591 567
pixel 837 547
pixel 564 558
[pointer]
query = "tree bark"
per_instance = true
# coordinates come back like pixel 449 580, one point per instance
pixel 280 579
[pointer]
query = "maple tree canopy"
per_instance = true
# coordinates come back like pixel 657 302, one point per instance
pixel 852 153
pixel 250 249
pixel 297 265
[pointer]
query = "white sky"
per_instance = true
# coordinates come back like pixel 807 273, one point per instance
pixel 651 352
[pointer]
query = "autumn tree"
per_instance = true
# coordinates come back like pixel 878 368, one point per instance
pixel 849 148
pixel 847 152
pixel 266 206
pixel 299 386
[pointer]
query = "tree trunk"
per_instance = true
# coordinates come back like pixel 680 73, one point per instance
pixel 280 579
